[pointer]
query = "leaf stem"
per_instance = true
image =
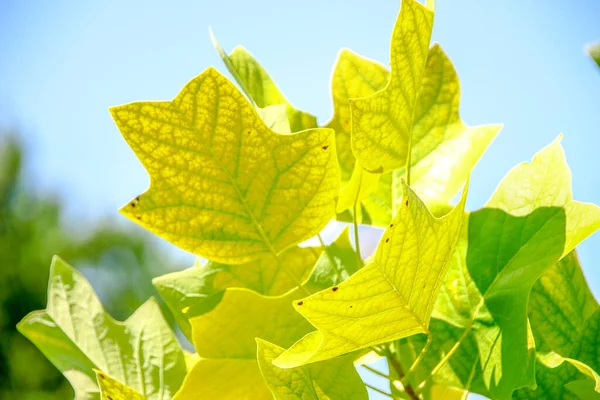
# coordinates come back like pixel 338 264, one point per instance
pixel 356 239
pixel 379 390
pixel 408 389
pixel 418 360
pixel 377 372
pixel 449 354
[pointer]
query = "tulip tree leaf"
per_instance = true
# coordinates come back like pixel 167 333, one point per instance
pixel 335 379
pixel 525 228
pixel 223 185
pixel 353 77
pixel 225 341
pixel 112 389
pixel 382 123
pixel 196 290
pixel 78 336
pixel 560 306
pixel 224 336
pixel 395 292
pixel 444 148
pixel 42 331
pixel 261 89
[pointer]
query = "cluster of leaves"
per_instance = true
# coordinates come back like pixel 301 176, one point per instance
pixel 33 226
pixel 491 301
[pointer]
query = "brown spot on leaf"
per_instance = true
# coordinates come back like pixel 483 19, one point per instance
pixel 325 147
pixel 387 240
pixel 334 289
pixel 300 303
pixel 138 217
pixel 391 225
pixel 406 203
pixel 351 306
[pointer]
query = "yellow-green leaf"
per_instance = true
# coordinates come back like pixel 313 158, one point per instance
pixel 361 185
pixel 222 184
pixel 388 299
pixel 382 123
pixel 548 184
pixel 335 379
pixel 444 148
pixel 353 77
pixel 529 223
pixel 226 337
pixel 262 90
pixel 111 389
pixel 197 290
pixel 78 337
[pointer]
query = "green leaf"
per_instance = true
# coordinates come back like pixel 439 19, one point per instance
pixel 594 52
pixel 560 306
pixel 335 379
pixel 199 289
pixel 41 330
pixel 261 89
pixel 78 336
pixel 112 389
pixel 529 223
pixel 222 184
pixel 395 292
pixel 353 77
pixel 556 379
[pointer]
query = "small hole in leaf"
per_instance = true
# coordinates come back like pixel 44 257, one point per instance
pixel 325 147
pixel 334 289
pixel 300 303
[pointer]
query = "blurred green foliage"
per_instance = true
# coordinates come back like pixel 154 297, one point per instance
pixel 120 263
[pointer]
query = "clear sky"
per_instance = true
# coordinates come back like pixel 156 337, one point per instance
pixel 63 63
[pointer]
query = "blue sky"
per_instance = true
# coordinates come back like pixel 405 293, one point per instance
pixel 63 63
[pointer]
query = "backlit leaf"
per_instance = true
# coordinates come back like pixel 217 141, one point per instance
pixel 444 148
pixel 529 223
pixel 353 77
pixel 261 89
pixel 223 185
pixel 196 290
pixel 79 336
pixel 382 123
pixel 111 389
pixel 41 330
pixel 226 336
pixel 335 379
pixel 395 293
